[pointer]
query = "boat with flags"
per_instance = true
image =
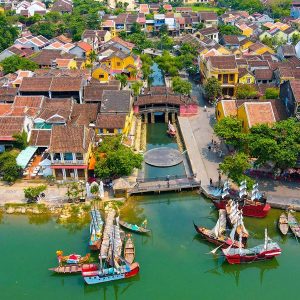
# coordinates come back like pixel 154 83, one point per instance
pixel 266 251
pixel 110 268
pixel 252 206
pixel 217 235
pixel 171 130
pixel 96 227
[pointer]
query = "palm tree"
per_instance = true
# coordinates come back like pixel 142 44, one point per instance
pixel 92 57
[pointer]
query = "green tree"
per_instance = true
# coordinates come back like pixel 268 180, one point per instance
pixel 136 28
pixel 212 88
pixel 8 33
pixel 45 28
pixel 295 38
pixel 246 91
pixel 95 189
pixel 33 192
pixel 20 140
pixel 229 30
pixel 230 129
pixel 268 41
pixel 272 93
pixel 136 87
pixel 234 166
pixel 181 86
pixel 118 161
pixel 122 78
pixel 163 30
pixel 14 63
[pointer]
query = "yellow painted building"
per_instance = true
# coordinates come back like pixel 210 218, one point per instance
pixel 101 73
pixel 246 77
pixel 245 44
pixel 224 68
pixel 255 113
pixel 250 113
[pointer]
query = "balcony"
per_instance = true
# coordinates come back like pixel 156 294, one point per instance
pixel 68 162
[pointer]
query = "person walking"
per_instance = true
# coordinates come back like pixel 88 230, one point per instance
pixel 210 182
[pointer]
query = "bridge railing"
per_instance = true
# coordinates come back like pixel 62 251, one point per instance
pixel 165 178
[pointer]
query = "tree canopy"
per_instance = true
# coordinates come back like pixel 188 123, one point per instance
pixel 32 192
pixel 8 166
pixel 115 160
pixel 246 91
pixel 13 63
pixel 212 88
pixel 234 166
pixel 8 33
pixel 229 30
pixel 278 143
pixel 272 93
pixel 181 86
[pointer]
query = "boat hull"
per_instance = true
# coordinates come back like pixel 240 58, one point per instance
pixel 256 211
pixel 95 246
pixel 218 242
pixel 240 259
pixel 95 279
pixel 283 224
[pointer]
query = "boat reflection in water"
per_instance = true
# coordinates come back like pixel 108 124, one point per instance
pixel 222 267
pixel 236 270
pixel 118 289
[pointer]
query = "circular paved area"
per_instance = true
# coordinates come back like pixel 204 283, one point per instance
pixel 163 157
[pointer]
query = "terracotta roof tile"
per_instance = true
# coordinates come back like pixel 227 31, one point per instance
pixel 70 138
pixel 40 137
pixel 111 121
pixel 259 113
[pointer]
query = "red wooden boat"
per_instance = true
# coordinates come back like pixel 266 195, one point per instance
pixel 254 206
pixel 266 251
pixel 101 275
pixel 249 208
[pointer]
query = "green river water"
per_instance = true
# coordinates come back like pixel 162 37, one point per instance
pixel 174 261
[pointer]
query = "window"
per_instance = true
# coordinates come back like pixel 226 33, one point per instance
pixel 68 156
pixel 101 76
pixel 220 77
pixel 219 113
pixel 118 64
pixel 248 80
pixel 110 130
pixel 225 78
pixel 56 156
pixel 79 156
pixel 231 77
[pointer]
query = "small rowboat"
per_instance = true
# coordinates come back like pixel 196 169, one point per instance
pixel 71 269
pixel 129 251
pixel 283 224
pixel 134 227
pixel 294 225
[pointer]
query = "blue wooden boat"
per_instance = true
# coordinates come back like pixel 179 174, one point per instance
pixel 134 227
pixel 96 228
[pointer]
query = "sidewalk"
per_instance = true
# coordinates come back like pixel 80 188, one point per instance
pixel 15 193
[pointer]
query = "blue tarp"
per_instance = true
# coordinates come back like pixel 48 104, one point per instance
pixel 25 156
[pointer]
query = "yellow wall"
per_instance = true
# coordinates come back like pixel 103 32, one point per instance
pixel 97 75
pixel 241 115
pixel 107 36
pixel 246 45
pixel 116 63
pixel 72 65
pixel 243 79
pixel 219 111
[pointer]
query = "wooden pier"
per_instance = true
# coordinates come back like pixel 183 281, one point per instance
pixel 164 184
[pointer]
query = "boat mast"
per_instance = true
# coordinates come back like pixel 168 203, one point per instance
pixel 266 239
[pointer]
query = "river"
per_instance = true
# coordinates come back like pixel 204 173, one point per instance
pixel 174 261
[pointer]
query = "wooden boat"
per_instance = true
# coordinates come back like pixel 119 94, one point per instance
pixel 129 251
pixel 283 224
pixel 72 258
pixel 254 206
pixel 96 228
pixel 266 251
pixel 294 225
pixel 101 275
pixel 171 130
pixel 134 227
pixel 71 269
pixel 220 240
